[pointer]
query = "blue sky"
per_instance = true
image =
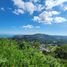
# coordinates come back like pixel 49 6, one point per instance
pixel 33 16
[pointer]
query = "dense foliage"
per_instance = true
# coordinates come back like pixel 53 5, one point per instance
pixel 23 54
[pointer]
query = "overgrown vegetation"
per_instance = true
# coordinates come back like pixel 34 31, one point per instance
pixel 21 53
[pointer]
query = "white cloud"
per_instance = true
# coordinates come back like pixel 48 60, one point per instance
pixel 2 9
pixel 36 18
pixel 25 6
pixel 19 3
pixel 46 17
pixel 29 7
pixel 64 7
pixel 46 14
pixel 59 19
pixel 28 26
pixel 18 11
pixel 40 7
pixel 55 12
pixel 46 20
pixel 49 4
pixel 52 3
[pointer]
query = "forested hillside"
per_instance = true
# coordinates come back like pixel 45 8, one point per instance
pixel 23 53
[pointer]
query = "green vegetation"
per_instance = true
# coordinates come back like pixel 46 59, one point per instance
pixel 21 53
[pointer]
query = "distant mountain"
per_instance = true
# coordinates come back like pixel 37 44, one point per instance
pixel 43 38
pixel 35 36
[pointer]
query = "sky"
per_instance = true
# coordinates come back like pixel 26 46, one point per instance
pixel 33 16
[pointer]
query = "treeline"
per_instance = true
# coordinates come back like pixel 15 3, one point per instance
pixel 14 53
